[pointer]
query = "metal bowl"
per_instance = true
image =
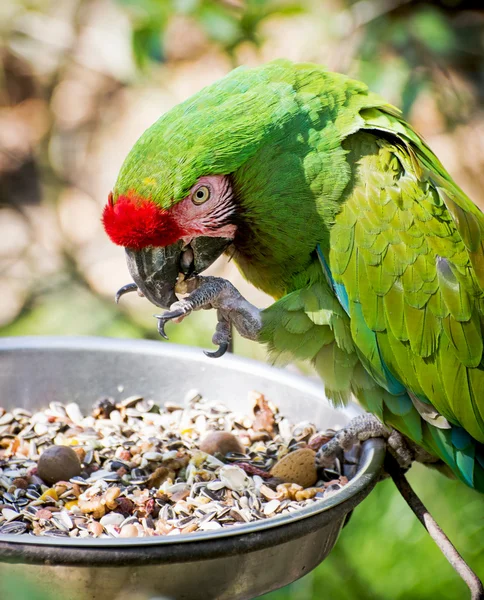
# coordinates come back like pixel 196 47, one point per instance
pixel 236 563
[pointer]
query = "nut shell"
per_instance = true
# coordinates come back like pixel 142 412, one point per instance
pixel 221 442
pixel 128 531
pixel 297 467
pixel 58 463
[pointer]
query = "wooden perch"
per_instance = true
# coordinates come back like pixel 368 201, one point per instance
pixel 445 545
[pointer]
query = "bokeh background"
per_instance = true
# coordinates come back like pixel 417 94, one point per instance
pixel 80 80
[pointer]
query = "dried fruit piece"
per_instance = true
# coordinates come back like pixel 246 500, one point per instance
pixel 288 490
pixel 248 468
pixel 125 506
pixel 49 495
pixel 307 493
pixel 94 506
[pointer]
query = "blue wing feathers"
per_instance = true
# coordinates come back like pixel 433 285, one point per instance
pixel 338 288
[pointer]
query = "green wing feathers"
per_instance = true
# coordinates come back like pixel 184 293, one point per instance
pixel 407 246
pixel 310 324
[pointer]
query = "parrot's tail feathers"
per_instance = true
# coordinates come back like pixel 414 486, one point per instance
pixel 460 451
pixel 463 454
pixel 464 451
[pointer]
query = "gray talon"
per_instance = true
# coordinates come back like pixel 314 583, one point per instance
pixel 221 337
pixel 129 287
pixel 221 350
pixel 168 316
pixel 161 327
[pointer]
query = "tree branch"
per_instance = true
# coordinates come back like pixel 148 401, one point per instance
pixel 445 545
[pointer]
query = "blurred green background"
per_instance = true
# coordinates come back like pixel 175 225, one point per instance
pixel 80 80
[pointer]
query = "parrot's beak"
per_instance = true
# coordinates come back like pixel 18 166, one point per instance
pixel 155 270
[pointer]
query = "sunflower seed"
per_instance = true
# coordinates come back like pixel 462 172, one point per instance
pixel 14 528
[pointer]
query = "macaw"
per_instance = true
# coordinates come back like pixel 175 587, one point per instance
pixel 330 202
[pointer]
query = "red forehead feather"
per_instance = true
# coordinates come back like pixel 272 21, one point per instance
pixel 135 222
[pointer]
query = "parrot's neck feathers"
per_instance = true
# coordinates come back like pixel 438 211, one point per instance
pixel 136 222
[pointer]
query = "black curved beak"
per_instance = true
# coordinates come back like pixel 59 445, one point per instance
pixel 155 270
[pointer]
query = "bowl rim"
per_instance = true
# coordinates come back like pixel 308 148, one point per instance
pixel 352 493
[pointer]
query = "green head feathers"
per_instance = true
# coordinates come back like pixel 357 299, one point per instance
pixel 214 132
pixel 218 129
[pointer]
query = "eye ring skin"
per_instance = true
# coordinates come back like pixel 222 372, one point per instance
pixel 201 195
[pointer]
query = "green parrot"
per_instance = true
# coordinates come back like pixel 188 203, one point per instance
pixel 331 203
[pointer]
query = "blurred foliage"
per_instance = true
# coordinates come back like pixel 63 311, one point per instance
pixel 76 74
pixel 15 589
pixel 226 22
pixel 418 41
pixel 422 45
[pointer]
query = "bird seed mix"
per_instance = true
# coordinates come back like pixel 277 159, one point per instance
pixel 134 468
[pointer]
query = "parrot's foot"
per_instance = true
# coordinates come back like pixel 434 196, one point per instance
pixel 362 428
pixel 232 309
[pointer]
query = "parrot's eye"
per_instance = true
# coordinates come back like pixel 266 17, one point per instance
pixel 201 195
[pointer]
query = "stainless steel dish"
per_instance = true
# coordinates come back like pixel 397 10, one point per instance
pixel 237 563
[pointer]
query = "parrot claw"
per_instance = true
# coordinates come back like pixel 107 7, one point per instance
pixel 174 313
pixel 221 350
pixel 129 287
pixel 221 337
pixel 161 327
